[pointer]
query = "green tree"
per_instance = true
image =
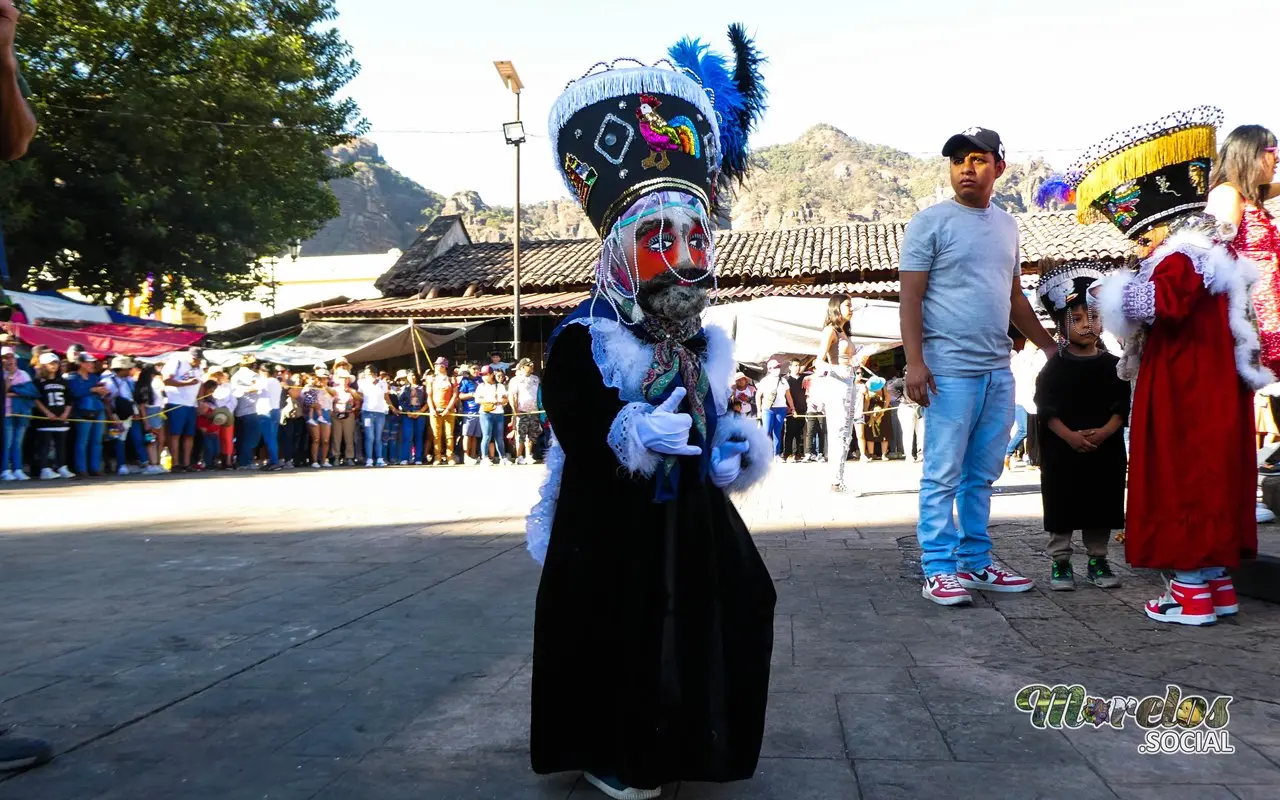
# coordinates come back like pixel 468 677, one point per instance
pixel 181 139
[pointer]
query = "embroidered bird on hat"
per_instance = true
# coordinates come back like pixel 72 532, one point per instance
pixel 678 136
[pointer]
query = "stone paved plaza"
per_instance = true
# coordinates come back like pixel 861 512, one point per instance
pixel 367 634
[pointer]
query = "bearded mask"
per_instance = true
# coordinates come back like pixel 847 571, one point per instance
pixel 658 261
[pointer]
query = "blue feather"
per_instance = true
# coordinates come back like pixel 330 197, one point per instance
pixel 1055 188
pixel 737 95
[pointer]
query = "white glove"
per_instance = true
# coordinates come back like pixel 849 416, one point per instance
pixel 665 431
pixel 726 463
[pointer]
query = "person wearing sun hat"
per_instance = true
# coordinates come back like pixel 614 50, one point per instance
pixel 1186 318
pixel 653 625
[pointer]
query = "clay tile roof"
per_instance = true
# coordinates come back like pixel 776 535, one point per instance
pixel 860 251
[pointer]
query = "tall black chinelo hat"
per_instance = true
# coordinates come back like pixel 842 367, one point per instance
pixel 626 129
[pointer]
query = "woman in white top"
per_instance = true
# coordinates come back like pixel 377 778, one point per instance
pixel 837 371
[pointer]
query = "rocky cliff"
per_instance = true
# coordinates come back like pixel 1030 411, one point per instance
pixel 824 177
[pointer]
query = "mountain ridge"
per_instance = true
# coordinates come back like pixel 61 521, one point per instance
pixel 824 177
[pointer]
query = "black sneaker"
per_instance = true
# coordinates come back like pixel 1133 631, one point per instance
pixel 1062 578
pixel 21 752
pixel 1100 574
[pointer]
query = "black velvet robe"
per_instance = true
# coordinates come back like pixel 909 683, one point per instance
pixel 1082 491
pixel 629 679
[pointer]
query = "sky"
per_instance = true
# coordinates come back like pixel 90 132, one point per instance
pixel 1052 77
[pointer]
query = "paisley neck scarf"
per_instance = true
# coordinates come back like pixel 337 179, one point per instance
pixel 677 361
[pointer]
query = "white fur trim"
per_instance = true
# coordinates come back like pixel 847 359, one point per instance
pixel 626 83
pixel 537 527
pixel 756 461
pixel 719 364
pixel 1110 304
pixel 622 358
pixel 631 452
pixel 1223 273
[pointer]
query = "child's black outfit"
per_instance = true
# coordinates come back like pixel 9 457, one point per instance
pixel 1080 491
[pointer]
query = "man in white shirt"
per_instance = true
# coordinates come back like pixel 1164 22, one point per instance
pixel 268 411
pixel 182 377
pixel 120 393
pixel 373 414
pixel 524 402
pixel 245 387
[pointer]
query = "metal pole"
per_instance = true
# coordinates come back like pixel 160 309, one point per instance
pixel 515 316
pixel 413 339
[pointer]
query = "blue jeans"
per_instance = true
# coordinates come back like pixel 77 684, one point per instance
pixel 1019 430
pixel 966 426
pixel 775 422
pixel 269 430
pixel 248 436
pixel 1202 575
pixel 413 438
pixel 15 432
pixel 391 438
pixel 373 422
pixel 134 438
pixel 212 448
pixel 491 430
pixel 88 443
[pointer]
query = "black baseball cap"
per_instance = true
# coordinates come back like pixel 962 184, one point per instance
pixel 988 141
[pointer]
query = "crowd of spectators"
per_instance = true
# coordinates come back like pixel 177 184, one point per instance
pixel 75 415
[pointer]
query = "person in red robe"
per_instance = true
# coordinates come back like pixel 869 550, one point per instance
pixel 1191 346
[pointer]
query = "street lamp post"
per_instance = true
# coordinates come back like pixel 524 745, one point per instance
pixel 514 133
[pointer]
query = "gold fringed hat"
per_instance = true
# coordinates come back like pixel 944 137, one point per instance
pixel 1138 178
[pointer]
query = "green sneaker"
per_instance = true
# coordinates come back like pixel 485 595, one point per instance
pixel 1062 579
pixel 1100 574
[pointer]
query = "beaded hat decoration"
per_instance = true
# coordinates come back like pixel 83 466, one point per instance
pixel 626 129
pixel 1067 285
pixel 1143 176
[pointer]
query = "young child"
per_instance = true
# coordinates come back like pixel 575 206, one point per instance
pixel 209 430
pixel 53 409
pixel 1083 408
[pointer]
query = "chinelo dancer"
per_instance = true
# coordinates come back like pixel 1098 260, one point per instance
pixel 1186 319
pixel 654 621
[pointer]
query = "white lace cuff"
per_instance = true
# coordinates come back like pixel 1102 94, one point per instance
pixel 625 441
pixel 1139 302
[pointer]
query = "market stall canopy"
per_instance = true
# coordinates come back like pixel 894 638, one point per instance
pixel 770 326
pixel 55 307
pixel 322 342
pixel 107 339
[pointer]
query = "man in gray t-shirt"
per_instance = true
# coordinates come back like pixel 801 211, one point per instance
pixel 959 270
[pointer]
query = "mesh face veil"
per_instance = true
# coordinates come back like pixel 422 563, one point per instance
pixel 663 232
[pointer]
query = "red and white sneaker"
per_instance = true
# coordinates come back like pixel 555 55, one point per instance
pixel 945 590
pixel 1225 602
pixel 994 579
pixel 1183 603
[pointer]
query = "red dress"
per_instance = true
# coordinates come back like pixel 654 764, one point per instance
pixel 1192 468
pixel 1259 241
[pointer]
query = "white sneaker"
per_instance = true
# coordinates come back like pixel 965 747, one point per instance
pixel 47 474
pixel 20 475
pixel 326 465
pixel 314 465
pixel 7 475
pixel 614 789
pixel 123 471
pixel 1265 514
pixel 380 463
pixel 63 472
pixel 153 469
pixel 945 590
pixel 368 462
